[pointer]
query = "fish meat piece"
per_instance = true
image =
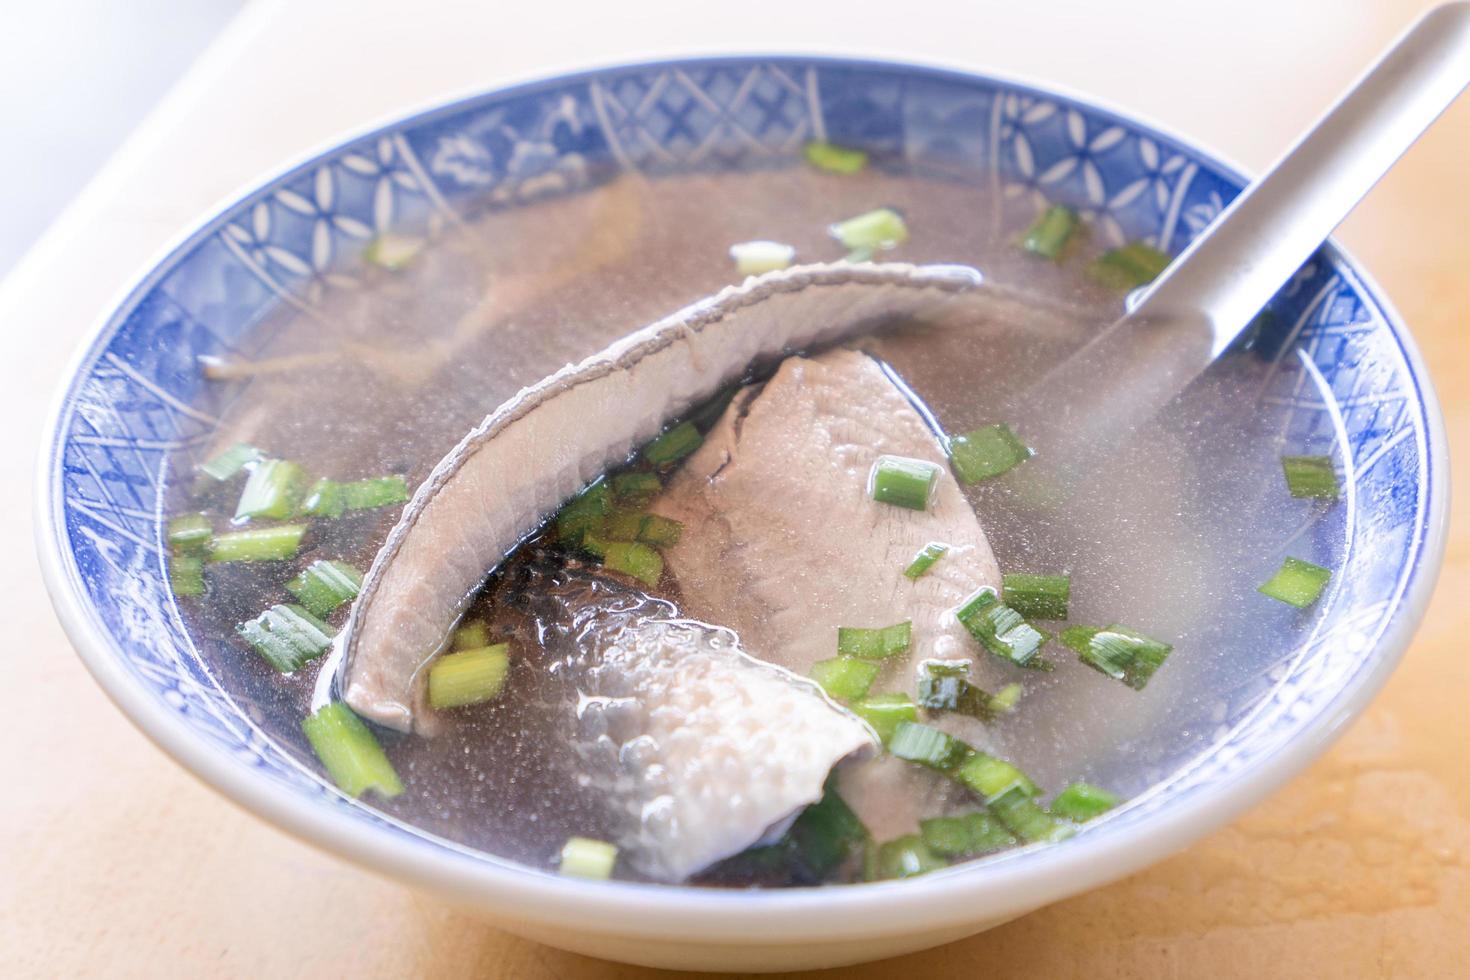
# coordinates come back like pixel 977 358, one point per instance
pixel 698 749
pixel 783 543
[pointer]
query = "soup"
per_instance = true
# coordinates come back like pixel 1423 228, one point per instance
pixel 820 629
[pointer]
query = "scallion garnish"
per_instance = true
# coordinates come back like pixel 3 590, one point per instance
pixel 990 778
pixel 1005 700
pixel 925 559
pixel 1037 596
pixel 883 228
pixel 986 452
pixel 673 445
pixel 330 498
pixel 1123 654
pixel 874 644
pixel 326 498
pixel 258 544
pixel 287 637
pixel 325 585
pixel 1297 583
pixel 1133 265
pixel 845 678
pixel 946 836
pixel 633 558
pixel 1081 802
pixel 274 489
pixel 905 857
pixel 393 252
pixel 927 746
pixel 636 488
pixel 987 834
pixel 999 628
pixel 835 159
pixel 903 482
pixel 940 691
pixel 825 834
pixel 468 676
pixel 1026 820
pixel 186 575
pixel 1310 476
pixel 583 857
pixel 755 258
pixel 472 634
pixel 231 462
pixel 584 512
pixel 884 712
pixel 661 532
pixel 1050 233
pixel 349 752
pixel 622 525
pixel 189 534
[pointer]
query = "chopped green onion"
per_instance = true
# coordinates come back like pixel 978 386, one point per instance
pixel 186 575
pixel 948 692
pixel 583 857
pixel 189 534
pixel 906 857
pixel 903 482
pixel 622 525
pixel 1005 700
pixel 673 445
pixel 946 836
pixel 987 834
pixel 326 498
pixel 595 544
pixel 287 637
pixel 754 258
pixel 635 559
pixel 874 644
pixel 884 712
pixel 825 834
pixel 858 255
pixel 584 512
pixel 883 228
pixel 468 676
pixel 1037 596
pixel 986 452
pixel 925 559
pixel 349 752
pixel 1297 583
pixel 1028 821
pixel 229 463
pixel 990 778
pixel 1081 802
pixel 845 678
pixel 1123 654
pixel 325 585
pixel 375 492
pixel 661 532
pixel 835 159
pixel 1133 265
pixel 999 628
pixel 1310 476
pixel 637 488
pixel 472 634
pixel 1049 235
pixel 393 252
pixel 258 544
pixel 927 746
pixel 274 489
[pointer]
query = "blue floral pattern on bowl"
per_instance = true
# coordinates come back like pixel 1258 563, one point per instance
pixel 137 394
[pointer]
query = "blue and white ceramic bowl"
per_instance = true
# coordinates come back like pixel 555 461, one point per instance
pixel 129 399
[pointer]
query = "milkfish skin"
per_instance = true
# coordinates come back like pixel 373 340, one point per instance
pixel 697 749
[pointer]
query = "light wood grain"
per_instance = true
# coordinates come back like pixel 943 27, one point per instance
pixel 114 862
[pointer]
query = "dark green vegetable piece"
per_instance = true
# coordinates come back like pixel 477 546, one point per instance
pixel 186 575
pixel 1123 654
pixel 636 488
pixel 231 462
pixel 927 746
pixel 584 512
pixel 906 857
pixel 673 445
pixel 350 753
pixel 999 628
pixel 1051 232
pixel 287 637
pixel 189 534
pixel 661 532
pixel 949 693
pixel 1133 265
pixel 635 559
pixel 1297 583
pixel 1026 820
pixel 835 159
pixel 824 835
pixel 884 712
pixel 874 644
pixel 1037 596
pixel 925 559
pixel 325 585
pixel 258 544
pixel 275 488
pixel 1081 802
pixel 845 678
pixel 986 452
pixel 990 778
pixel 1310 476
pixel 903 482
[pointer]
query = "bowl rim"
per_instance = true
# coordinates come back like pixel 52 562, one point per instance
pixel 785 916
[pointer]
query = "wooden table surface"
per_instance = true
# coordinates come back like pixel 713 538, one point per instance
pixel 114 862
